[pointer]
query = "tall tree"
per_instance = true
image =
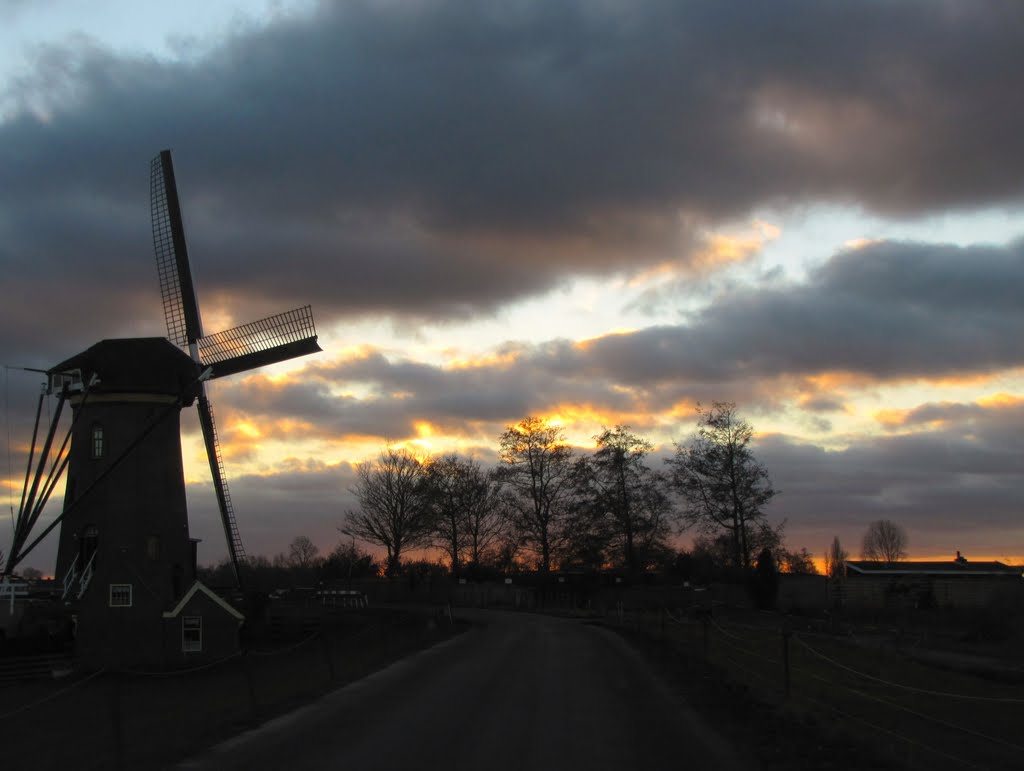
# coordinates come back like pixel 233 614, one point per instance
pixel 536 470
pixel 445 479
pixel 630 497
pixel 884 541
pixel 302 553
pixel 486 518
pixel 835 559
pixel 394 510
pixel 722 485
pixel 466 508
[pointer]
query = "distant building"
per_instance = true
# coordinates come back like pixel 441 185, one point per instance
pixel 957 583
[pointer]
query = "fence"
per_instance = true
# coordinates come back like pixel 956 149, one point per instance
pixel 139 719
pixel 884 697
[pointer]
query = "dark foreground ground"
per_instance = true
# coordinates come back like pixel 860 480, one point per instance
pixel 517 691
pixel 147 720
pixel 514 690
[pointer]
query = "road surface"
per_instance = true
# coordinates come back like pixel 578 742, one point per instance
pixel 517 691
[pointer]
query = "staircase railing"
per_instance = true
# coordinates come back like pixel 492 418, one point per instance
pixel 86 575
pixel 69 578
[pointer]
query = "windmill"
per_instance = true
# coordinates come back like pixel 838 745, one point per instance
pixel 277 338
pixel 125 557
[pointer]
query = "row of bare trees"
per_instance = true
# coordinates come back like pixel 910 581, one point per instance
pixel 549 503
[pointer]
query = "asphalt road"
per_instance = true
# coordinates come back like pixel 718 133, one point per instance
pixel 518 691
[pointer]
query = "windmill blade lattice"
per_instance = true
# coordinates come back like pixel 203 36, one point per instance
pixel 259 343
pixel 177 291
pixel 220 485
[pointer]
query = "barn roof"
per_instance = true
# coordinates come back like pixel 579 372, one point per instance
pixel 941 568
pixel 136 365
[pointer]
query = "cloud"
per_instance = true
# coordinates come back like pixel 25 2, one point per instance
pixel 955 486
pixel 302 498
pixel 890 312
pixel 437 160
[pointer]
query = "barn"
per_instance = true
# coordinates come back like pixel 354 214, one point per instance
pixel 955 583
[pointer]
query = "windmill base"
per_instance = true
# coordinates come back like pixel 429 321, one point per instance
pixel 200 629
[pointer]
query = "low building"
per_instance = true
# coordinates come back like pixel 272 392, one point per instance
pixel 956 583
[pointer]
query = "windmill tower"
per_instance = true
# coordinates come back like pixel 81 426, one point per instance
pixel 125 555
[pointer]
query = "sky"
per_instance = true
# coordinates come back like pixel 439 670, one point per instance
pixel 596 212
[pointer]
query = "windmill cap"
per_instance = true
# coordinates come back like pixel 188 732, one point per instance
pixel 151 365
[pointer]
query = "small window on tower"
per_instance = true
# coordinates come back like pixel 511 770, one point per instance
pixel 120 595
pixel 97 441
pixel 191 633
pixel 153 547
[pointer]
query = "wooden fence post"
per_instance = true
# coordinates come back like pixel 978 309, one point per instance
pixel 116 721
pixel 326 644
pixel 786 632
pixel 250 686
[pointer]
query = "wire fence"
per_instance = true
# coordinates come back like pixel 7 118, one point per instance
pixel 135 718
pixel 909 712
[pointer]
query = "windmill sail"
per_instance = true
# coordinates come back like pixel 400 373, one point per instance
pixel 220 485
pixel 270 340
pixel 176 289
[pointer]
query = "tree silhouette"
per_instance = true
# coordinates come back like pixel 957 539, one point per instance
pixel 302 553
pixel 446 482
pixel 884 541
pixel 799 562
pixel 835 559
pixel 486 518
pixel 537 473
pixel 629 499
pixel 722 485
pixel 394 510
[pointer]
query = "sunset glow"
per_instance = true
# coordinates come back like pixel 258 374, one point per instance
pixel 572 226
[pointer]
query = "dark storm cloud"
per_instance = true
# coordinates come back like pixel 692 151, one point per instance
pixel 888 311
pixel 439 159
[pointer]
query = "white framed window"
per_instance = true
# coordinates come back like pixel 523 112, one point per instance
pixel 191 634
pixel 97 441
pixel 120 595
pixel 72 379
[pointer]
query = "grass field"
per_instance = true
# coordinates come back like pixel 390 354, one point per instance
pixel 852 702
pixel 147 720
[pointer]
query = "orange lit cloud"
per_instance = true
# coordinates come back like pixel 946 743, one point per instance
pixel 1000 401
pixel 725 248
pixel 943 413
pixel 716 250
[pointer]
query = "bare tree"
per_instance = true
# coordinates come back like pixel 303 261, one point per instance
pixel 467 508
pixel 799 562
pixel 884 541
pixel 302 553
pixel 722 485
pixel 835 559
pixel 486 517
pixel 394 510
pixel 537 472
pixel 628 496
